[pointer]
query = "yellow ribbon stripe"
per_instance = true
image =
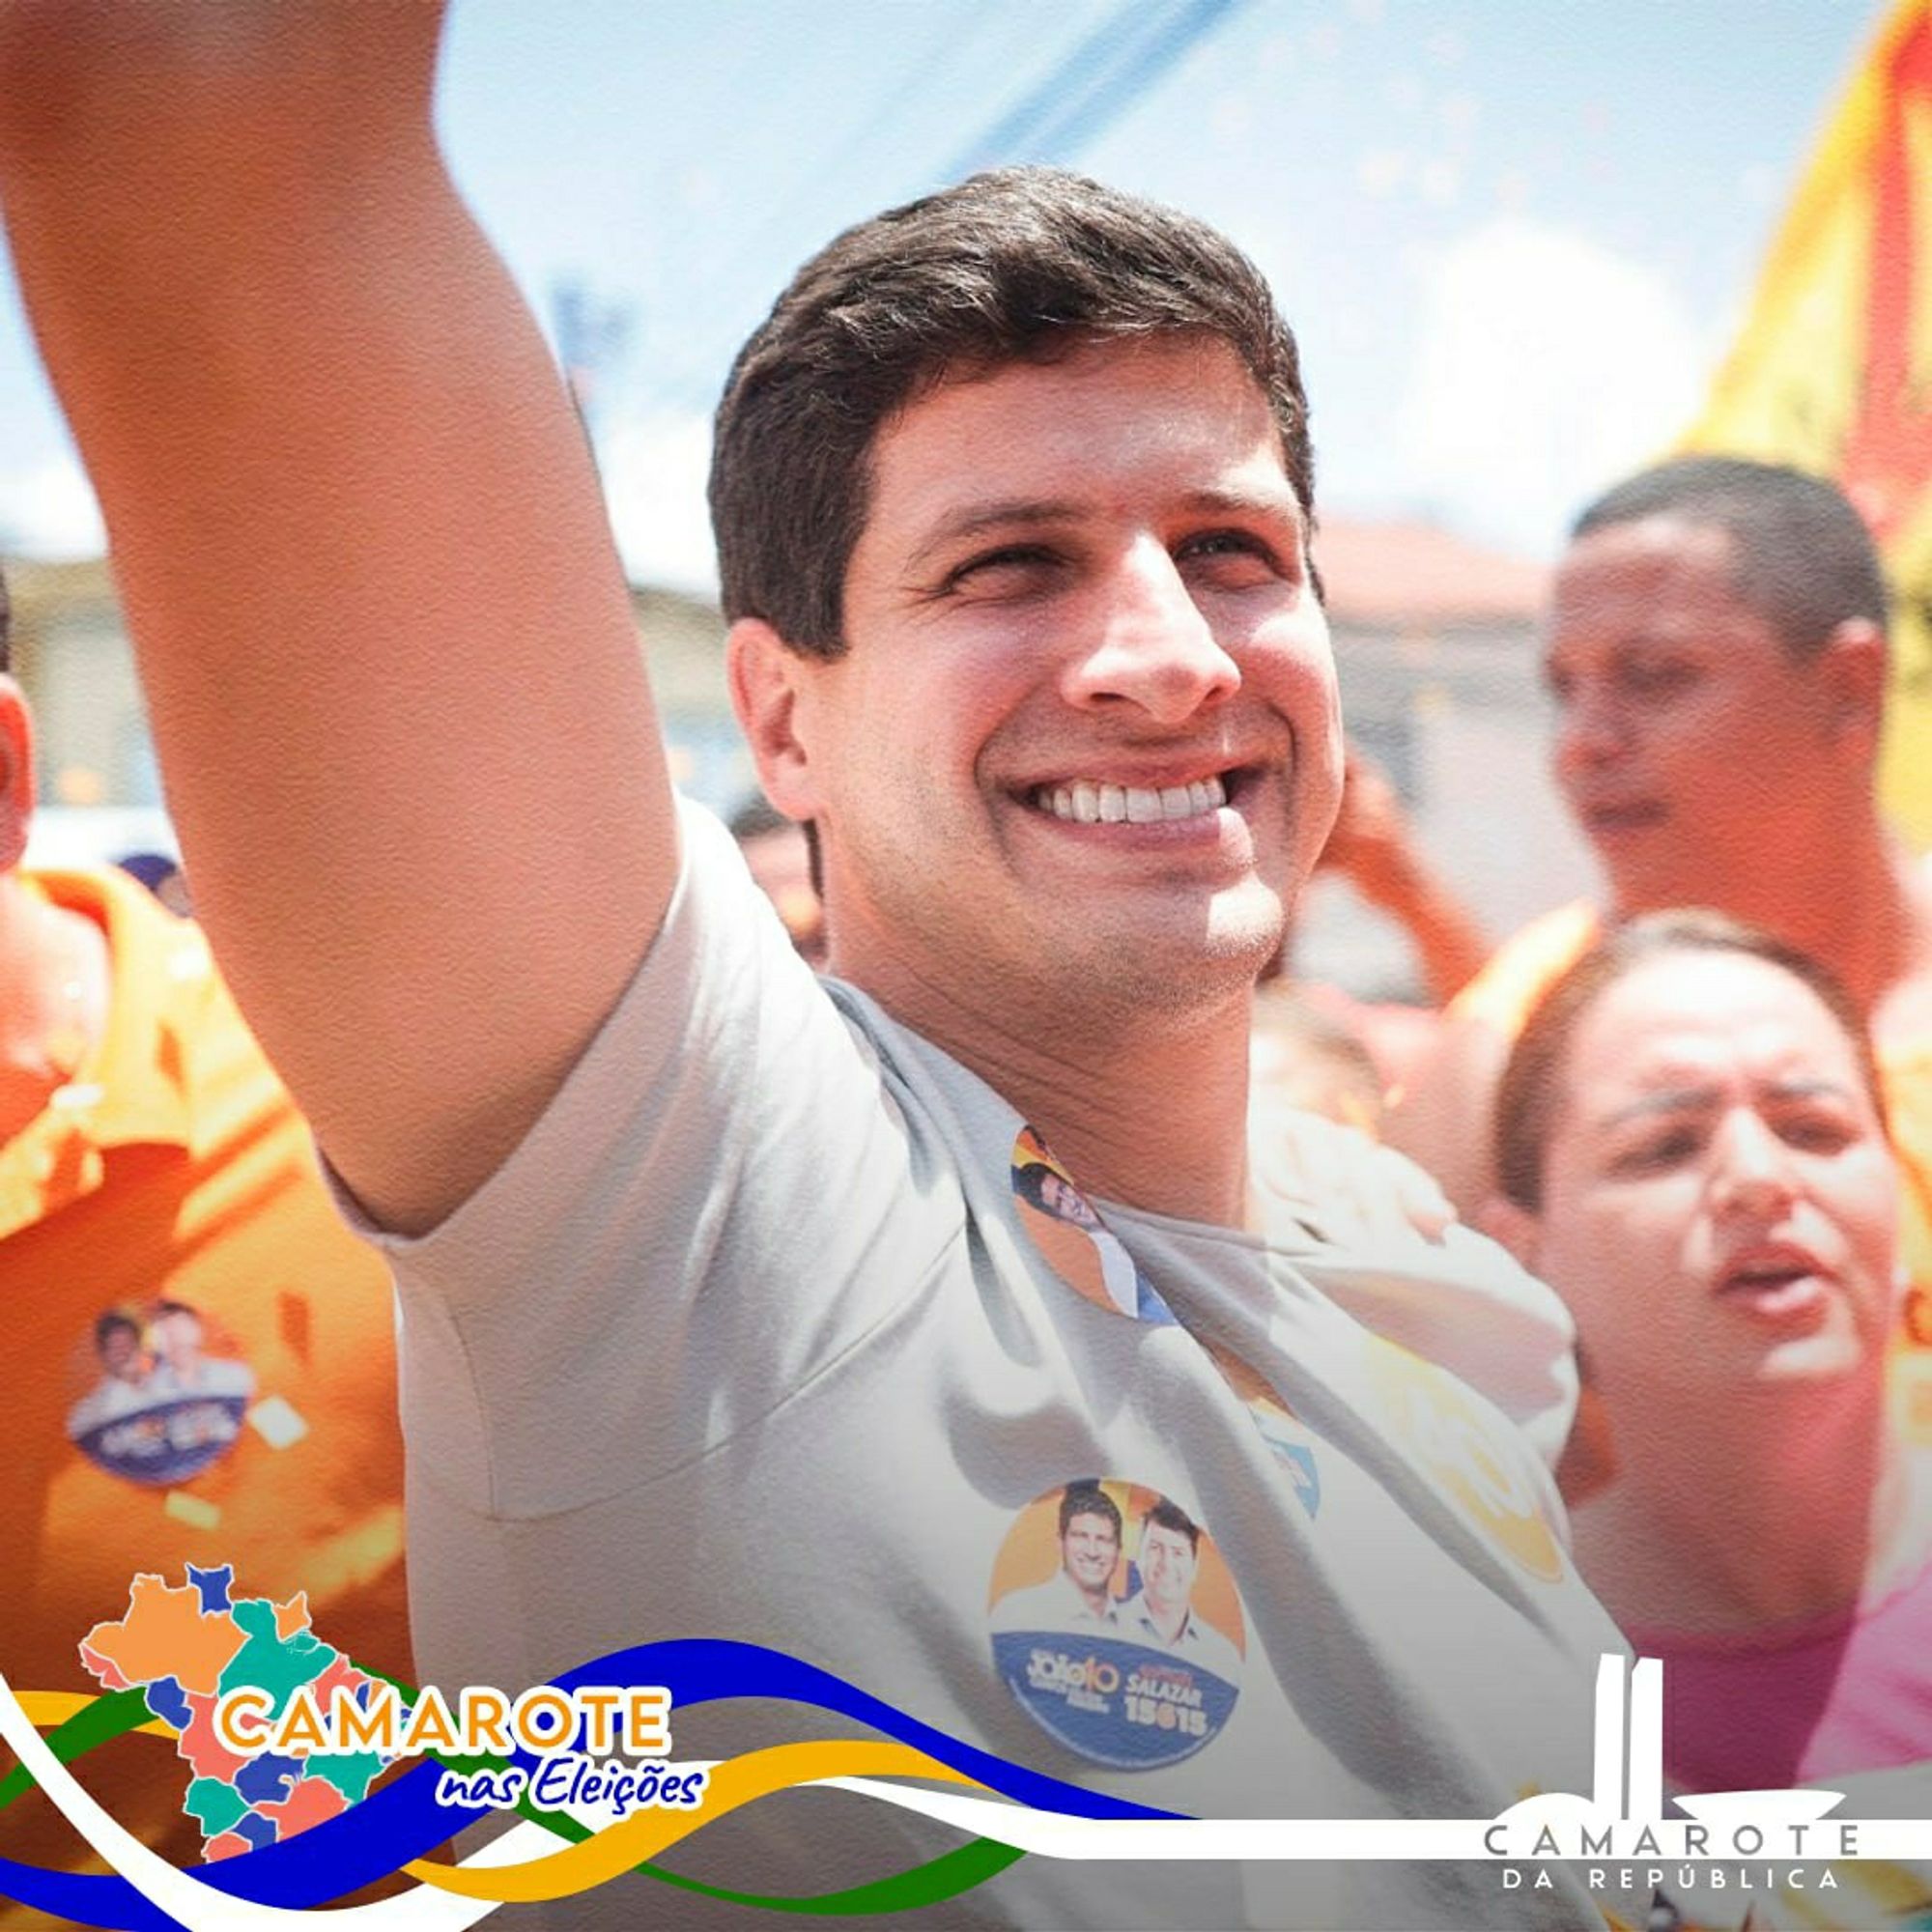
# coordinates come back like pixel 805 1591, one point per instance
pixel 48 1710
pixel 633 1841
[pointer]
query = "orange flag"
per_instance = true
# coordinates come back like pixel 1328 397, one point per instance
pixel 1832 370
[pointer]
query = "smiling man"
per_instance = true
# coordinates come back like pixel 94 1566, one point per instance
pixel 1079 1595
pixel 725 1313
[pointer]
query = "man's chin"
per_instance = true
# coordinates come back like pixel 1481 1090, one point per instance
pixel 1176 972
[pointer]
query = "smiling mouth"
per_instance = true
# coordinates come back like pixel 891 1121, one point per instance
pixel 1102 802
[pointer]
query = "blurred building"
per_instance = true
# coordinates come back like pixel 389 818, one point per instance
pixel 1436 642
pixel 100 784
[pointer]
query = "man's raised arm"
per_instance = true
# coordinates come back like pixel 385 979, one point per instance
pixel 385 641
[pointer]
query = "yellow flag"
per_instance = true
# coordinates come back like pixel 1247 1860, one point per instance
pixel 1832 370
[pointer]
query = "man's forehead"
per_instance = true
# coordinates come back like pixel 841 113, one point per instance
pixel 1661 578
pixel 1670 554
pixel 1029 440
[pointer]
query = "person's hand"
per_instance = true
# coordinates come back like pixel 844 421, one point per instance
pixel 1370 844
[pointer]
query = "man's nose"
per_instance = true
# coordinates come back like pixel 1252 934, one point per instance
pixel 1150 645
pixel 1753 1173
pixel 1591 732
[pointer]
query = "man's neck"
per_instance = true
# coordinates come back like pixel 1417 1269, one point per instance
pixel 1737 1521
pixel 54 973
pixel 1147 1108
pixel 1168 1627
pixel 1851 901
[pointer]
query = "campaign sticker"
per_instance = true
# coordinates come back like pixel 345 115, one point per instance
pixel 1116 1625
pixel 1291 1442
pixel 164 1393
pixel 1080 1248
pixel 1467 1455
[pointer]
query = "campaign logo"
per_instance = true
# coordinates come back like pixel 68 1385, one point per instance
pixel 280 1731
pixel 1116 1625
pixel 1080 1248
pixel 164 1393
pixel 1461 1448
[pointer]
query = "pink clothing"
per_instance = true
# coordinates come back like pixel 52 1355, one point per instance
pixel 1848 1694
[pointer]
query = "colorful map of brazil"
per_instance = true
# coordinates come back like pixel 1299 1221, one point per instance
pixel 186 1645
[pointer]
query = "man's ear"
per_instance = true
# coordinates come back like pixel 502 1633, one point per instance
pixel 1851 669
pixel 771 690
pixel 1512 1227
pixel 16 774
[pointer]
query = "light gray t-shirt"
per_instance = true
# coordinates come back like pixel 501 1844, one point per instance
pixel 782 1325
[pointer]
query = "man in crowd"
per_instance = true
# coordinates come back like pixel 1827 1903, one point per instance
pixel 149 1158
pixel 721 1315
pixel 1716 652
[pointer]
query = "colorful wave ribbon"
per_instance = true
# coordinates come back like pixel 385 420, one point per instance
pixel 396 1825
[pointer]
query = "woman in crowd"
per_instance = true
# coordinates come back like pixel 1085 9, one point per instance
pixel 1692 1152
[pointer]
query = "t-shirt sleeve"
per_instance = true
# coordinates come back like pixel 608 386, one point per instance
pixel 721 1200
pixel 1460 1301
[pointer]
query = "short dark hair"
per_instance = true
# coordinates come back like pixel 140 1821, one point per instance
pixel 1531 1086
pixel 1171 1516
pixel 1017 264
pixel 6 627
pixel 111 1323
pixel 1803 559
pixel 1086 1497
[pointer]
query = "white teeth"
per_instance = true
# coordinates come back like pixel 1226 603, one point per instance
pixel 1090 800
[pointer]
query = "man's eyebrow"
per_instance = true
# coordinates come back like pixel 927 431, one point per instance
pixel 1013 513
pixel 1252 502
pixel 1032 512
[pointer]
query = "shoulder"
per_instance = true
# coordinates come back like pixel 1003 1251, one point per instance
pixel 1523 966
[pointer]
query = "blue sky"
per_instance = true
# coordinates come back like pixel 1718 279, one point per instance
pixel 1514 236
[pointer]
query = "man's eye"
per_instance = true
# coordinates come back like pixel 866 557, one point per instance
pixel 1235 555
pixel 1012 567
pixel 1656 679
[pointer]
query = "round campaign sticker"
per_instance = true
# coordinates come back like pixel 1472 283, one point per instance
pixel 1080 1249
pixel 1458 1446
pixel 162 1393
pixel 1116 1625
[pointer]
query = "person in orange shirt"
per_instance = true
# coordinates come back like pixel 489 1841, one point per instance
pixel 201 1358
